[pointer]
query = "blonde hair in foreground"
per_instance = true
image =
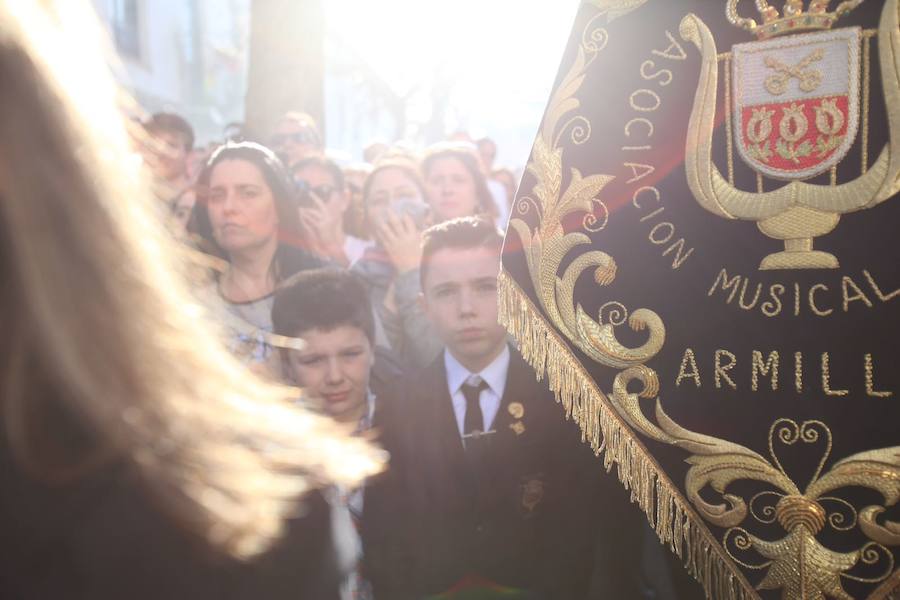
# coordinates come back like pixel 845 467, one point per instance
pixel 99 329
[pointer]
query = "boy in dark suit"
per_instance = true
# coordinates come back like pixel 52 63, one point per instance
pixel 494 484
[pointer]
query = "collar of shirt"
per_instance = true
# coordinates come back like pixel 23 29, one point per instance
pixel 365 423
pixel 495 377
pixel 494 374
pixel 352 499
pixel 355 248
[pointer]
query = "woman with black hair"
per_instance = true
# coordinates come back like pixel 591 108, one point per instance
pixel 247 215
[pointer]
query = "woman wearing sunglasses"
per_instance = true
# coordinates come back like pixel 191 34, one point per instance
pixel 296 137
pixel 324 199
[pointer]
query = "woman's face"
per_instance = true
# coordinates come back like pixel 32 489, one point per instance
pixel 392 191
pixel 241 206
pixel 451 190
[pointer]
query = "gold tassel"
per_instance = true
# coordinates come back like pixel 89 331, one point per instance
pixel 675 522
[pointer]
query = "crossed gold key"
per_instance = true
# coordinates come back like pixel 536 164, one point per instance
pixel 809 78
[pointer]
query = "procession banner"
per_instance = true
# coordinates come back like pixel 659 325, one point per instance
pixel 702 262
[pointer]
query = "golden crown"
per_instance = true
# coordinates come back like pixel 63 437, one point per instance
pixel 793 17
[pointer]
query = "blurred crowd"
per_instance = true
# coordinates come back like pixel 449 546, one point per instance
pixel 307 210
pixel 387 271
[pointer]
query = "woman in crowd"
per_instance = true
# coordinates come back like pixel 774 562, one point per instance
pixel 137 458
pixel 454 182
pixel 396 213
pixel 247 214
pixel 324 199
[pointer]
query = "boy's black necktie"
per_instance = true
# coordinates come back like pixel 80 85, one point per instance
pixel 474 420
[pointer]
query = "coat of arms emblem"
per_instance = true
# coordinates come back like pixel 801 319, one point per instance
pixel 796 102
pixel 796 108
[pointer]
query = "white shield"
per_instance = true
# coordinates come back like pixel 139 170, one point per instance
pixel 796 102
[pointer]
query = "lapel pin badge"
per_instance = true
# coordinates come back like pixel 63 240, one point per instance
pixel 516 410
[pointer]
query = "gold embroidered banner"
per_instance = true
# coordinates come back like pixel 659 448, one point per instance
pixel 702 262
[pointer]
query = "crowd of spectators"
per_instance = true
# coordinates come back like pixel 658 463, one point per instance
pixel 387 272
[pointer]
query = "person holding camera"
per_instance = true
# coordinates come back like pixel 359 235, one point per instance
pixel 396 214
pixel 323 200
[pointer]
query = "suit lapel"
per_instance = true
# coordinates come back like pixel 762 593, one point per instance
pixel 505 448
pixel 516 391
pixel 497 461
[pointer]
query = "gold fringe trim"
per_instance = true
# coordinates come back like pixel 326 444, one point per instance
pixel 675 522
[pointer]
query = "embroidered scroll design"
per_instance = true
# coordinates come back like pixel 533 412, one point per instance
pixel 798 564
pixel 613 9
pixel 549 243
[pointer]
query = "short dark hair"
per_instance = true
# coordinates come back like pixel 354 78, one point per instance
pixel 323 163
pixel 462 232
pixel 324 299
pixel 164 121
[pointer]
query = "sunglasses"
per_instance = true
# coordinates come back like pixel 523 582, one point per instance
pixel 301 137
pixel 322 192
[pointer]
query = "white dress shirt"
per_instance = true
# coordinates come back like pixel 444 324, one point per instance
pixel 346 512
pixel 494 375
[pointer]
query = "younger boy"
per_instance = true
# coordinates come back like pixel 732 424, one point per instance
pixel 330 311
